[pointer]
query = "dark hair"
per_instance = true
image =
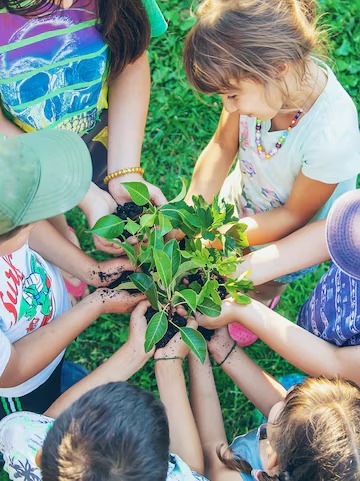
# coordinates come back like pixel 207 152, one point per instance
pixel 316 436
pixel 249 39
pixel 114 432
pixel 124 26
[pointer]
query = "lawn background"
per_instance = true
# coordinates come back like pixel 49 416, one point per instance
pixel 180 123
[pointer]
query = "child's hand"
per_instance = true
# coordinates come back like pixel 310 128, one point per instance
pixel 101 274
pixel 121 195
pixel 228 314
pixel 220 344
pixel 116 302
pixel 176 347
pixel 138 325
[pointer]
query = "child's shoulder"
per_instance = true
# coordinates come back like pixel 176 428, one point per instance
pixel 21 436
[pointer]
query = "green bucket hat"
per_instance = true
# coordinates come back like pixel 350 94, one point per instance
pixel 42 174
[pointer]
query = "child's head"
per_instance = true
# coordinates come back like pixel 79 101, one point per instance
pixel 114 432
pixel 240 41
pixel 43 174
pixel 315 433
pixel 343 233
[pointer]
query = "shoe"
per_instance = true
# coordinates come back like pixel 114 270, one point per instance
pixel 241 334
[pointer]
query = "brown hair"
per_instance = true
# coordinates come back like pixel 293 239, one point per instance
pixel 124 26
pixel 317 434
pixel 249 39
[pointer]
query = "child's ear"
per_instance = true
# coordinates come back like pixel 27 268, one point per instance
pixel 272 462
pixel 283 69
pixel 38 458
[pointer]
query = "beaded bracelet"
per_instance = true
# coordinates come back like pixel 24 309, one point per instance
pixel 228 354
pixel 119 173
pixel 167 358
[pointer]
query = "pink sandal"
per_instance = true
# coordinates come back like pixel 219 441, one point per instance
pixel 241 334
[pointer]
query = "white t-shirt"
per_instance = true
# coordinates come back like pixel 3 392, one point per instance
pixel 324 146
pixel 23 434
pixel 32 294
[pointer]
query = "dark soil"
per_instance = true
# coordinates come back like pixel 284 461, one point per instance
pixel 123 278
pixel 128 210
pixel 170 333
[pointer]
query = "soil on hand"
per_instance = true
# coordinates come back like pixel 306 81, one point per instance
pixel 128 210
pixel 171 331
pixel 123 278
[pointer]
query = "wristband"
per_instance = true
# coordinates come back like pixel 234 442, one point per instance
pixel 167 358
pixel 228 354
pixel 119 173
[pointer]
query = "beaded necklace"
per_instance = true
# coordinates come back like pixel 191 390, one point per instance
pixel 260 148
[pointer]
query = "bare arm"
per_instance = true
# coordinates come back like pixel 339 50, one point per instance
pixel 298 346
pixel 303 248
pixel 7 127
pixel 129 97
pixel 216 159
pixel 120 367
pixel 32 353
pixel 184 437
pixel 306 198
pixel 51 245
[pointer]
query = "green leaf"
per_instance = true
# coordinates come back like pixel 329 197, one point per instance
pixel 209 288
pixel 182 193
pixel 172 213
pixel 165 224
pixel 131 226
pixel 156 330
pixel 172 250
pixel 125 286
pixel 189 297
pixel 236 232
pixel 195 341
pixel 185 267
pixel 138 191
pixel 109 227
pixel 147 220
pixel 209 308
pixel 130 251
pixel 163 266
pixel 146 285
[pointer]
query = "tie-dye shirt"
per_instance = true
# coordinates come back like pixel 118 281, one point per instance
pixel 53 67
pixel 22 435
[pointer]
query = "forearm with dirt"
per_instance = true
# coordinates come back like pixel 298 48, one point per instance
pixel 53 247
pixel 33 352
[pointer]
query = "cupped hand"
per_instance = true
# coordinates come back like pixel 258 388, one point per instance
pixel 121 195
pixel 176 347
pixel 220 344
pixel 227 315
pixel 116 302
pixel 101 274
pixel 96 204
pixel 138 325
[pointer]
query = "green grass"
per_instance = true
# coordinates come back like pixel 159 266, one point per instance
pixel 180 124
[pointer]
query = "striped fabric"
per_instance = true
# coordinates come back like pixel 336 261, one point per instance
pixel 53 67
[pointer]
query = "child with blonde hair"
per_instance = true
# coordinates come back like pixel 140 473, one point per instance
pixel 285 116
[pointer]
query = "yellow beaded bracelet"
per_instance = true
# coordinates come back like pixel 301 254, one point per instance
pixel 119 173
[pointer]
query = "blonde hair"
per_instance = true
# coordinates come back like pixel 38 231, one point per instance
pixel 317 435
pixel 250 39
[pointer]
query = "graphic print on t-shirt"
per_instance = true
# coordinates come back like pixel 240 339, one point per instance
pixel 29 298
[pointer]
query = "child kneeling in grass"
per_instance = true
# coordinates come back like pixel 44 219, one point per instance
pixel 110 430
pixel 44 174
